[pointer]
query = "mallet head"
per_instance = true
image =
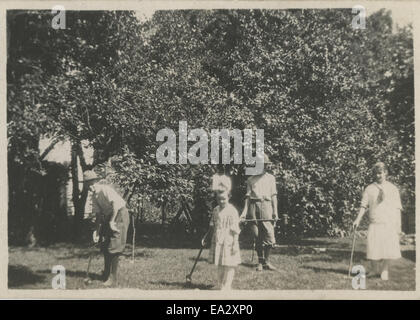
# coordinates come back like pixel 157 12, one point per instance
pixel 188 279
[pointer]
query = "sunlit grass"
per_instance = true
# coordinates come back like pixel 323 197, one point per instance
pixel 155 268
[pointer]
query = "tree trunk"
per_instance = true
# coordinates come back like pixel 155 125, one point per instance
pixel 30 215
pixel 76 197
pixel 163 213
pixel 137 212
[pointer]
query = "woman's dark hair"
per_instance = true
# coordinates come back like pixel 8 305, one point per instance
pixel 380 167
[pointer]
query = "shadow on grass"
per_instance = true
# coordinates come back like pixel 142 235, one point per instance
pixel 185 285
pixel 51 247
pixel 166 243
pixel 78 274
pixel 291 250
pixel 97 254
pixel 83 255
pixel 333 270
pixel 249 265
pixel 314 242
pixel 330 254
pixel 142 254
pixel 21 275
pixel 341 255
pixel 82 274
pixel 345 255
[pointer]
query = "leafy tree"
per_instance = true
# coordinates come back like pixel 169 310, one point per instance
pixel 58 85
pixel 332 100
pixel 314 84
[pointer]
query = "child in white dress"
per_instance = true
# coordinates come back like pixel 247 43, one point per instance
pixel 224 249
pixel 382 200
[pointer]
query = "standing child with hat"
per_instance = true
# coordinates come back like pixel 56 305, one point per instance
pixel 112 220
pixel 261 204
pixel 224 227
pixel 382 200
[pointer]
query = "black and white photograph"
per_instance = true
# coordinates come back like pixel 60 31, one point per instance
pixel 210 149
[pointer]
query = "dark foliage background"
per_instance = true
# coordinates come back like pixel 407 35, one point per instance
pixel 332 101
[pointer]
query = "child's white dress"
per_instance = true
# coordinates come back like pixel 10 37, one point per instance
pixel 384 206
pixel 226 224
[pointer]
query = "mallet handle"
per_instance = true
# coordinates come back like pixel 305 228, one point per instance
pixel 134 237
pixel 196 260
pixel 352 250
pixel 258 220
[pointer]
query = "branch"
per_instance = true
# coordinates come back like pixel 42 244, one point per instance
pixel 136 185
pixel 48 149
pixel 82 159
pixel 88 120
pixel 75 177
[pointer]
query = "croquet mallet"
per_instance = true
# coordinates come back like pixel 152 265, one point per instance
pixel 87 279
pixel 134 238
pixel 258 220
pixel 188 278
pixel 352 251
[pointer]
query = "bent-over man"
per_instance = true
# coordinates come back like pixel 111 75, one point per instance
pixel 112 220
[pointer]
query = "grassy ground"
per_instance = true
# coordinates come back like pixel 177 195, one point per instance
pixel 299 267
